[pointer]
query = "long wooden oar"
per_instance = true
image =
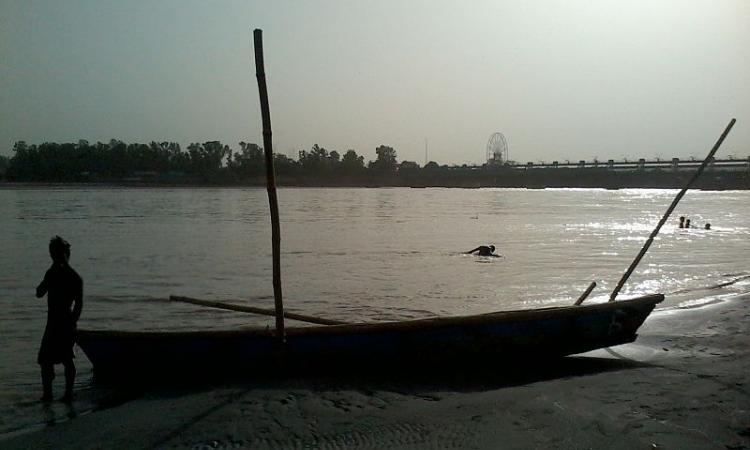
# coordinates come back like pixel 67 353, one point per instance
pixel 250 309
pixel 669 211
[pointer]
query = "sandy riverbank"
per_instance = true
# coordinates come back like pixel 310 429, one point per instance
pixel 684 384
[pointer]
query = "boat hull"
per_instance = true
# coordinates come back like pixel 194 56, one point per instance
pixel 549 332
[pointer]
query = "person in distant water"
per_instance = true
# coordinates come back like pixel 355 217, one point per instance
pixel 484 250
pixel 682 221
pixel 687 223
pixel 64 289
pixel 707 226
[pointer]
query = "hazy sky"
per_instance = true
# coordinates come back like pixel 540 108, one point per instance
pixel 561 79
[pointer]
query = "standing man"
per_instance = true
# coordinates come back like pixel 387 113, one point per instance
pixel 64 289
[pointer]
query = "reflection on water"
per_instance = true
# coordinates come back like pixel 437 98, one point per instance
pixel 349 254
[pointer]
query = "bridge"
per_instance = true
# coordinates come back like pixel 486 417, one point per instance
pixel 675 164
pixel 497 156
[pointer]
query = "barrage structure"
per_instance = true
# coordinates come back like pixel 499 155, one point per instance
pixel 675 165
pixel 725 173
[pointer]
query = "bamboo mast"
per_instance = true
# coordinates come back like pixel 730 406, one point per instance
pixel 670 209
pixel 270 182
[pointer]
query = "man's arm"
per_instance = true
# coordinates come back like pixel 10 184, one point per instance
pixel 41 290
pixel 472 251
pixel 78 302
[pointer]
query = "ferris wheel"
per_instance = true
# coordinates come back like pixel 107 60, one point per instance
pixel 497 149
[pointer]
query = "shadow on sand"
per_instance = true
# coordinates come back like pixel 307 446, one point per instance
pixel 467 376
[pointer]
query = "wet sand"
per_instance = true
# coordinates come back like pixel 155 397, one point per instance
pixel 684 384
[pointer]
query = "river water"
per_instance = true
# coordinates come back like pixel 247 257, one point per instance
pixel 349 254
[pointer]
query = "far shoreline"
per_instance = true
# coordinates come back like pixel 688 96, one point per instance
pixel 19 185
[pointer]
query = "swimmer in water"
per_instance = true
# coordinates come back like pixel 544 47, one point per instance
pixel 484 250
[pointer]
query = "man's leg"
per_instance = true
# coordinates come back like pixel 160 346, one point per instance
pixel 48 374
pixel 70 378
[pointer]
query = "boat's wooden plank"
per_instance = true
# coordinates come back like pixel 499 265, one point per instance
pixel 518 316
pixel 254 310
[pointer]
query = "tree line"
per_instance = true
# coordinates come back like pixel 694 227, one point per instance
pixel 208 162
pixel 215 163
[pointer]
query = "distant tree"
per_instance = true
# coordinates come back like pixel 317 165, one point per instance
pixel 317 161
pixel 141 157
pixel 161 156
pixel 20 162
pixel 352 164
pixel 105 161
pixel 216 153
pixel 431 166
pixel 207 158
pixel 117 161
pixel 408 167
pixel 20 147
pixel 386 160
pixel 4 164
pixel 250 161
pixel 284 165
pixel 47 162
pixel 178 160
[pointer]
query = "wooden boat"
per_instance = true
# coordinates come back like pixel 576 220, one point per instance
pixel 546 332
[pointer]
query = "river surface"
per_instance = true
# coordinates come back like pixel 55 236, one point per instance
pixel 349 254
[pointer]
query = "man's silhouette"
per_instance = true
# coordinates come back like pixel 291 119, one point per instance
pixel 64 289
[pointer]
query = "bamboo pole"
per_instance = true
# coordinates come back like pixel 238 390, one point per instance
pixel 669 211
pixel 585 293
pixel 270 182
pixel 253 310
